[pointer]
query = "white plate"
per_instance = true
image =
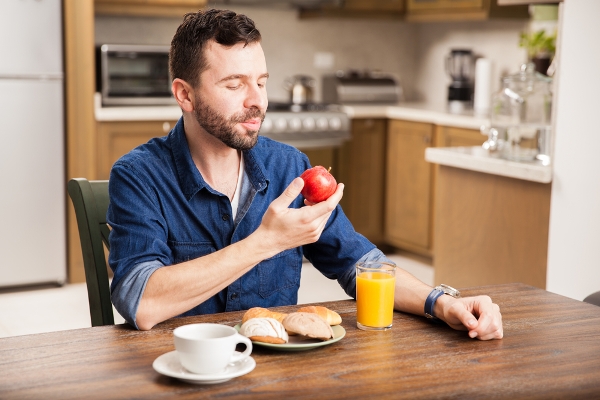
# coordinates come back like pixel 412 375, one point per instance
pixel 168 364
pixel 299 343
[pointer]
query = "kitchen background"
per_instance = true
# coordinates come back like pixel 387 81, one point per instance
pixel 412 52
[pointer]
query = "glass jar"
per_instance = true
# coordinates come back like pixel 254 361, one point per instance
pixel 520 116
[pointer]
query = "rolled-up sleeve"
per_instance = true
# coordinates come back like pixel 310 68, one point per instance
pixel 347 280
pixel 127 293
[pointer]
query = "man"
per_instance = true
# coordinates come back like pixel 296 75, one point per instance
pixel 209 218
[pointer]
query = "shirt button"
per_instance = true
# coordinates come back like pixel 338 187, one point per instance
pixel 225 217
pixel 234 296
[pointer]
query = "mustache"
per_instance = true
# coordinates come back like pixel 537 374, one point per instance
pixel 249 114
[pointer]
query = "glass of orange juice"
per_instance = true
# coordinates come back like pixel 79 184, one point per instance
pixel 375 283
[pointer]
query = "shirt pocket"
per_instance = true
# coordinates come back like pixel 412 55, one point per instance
pixel 279 273
pixel 186 251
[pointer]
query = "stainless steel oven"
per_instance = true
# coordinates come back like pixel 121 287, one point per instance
pixel 133 75
pixel 306 126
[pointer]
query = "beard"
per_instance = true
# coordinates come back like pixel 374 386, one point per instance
pixel 223 128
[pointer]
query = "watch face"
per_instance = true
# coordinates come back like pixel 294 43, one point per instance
pixel 449 290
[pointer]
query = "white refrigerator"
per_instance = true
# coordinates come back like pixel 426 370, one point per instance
pixel 32 144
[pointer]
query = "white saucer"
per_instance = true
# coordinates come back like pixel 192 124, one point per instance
pixel 168 364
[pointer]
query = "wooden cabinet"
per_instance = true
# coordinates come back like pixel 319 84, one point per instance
pixel 490 229
pixel 359 9
pixel 78 20
pixel 325 157
pixel 361 167
pixel 411 181
pixel 374 5
pixel 163 8
pixel 446 5
pixel 408 199
pixel 117 138
pixel 461 10
pixel 513 2
pixel 447 136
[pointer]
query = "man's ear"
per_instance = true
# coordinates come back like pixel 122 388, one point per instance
pixel 184 94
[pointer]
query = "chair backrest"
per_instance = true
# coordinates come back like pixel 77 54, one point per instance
pixel 90 199
pixel 593 298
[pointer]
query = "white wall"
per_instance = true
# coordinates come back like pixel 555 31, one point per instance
pixel 496 40
pixel 574 242
pixel 291 43
pixel 414 53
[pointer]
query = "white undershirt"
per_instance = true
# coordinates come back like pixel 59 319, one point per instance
pixel 238 188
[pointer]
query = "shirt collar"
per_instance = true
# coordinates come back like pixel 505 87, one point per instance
pixel 191 180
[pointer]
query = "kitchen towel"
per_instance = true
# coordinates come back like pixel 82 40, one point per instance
pixel 483 87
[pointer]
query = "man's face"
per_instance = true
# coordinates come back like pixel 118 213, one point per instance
pixel 231 99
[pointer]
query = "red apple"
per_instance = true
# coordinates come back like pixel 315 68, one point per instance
pixel 319 184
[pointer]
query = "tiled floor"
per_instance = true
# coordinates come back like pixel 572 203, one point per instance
pixel 54 309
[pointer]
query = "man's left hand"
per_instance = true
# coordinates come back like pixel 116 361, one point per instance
pixel 479 315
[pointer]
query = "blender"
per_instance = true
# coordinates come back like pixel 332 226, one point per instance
pixel 460 66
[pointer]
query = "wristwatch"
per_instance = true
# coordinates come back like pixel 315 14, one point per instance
pixel 433 296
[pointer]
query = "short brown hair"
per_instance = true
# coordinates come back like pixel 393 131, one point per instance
pixel 186 57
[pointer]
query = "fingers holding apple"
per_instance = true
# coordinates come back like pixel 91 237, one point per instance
pixel 319 184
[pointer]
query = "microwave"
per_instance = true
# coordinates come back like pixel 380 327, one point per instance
pixel 128 75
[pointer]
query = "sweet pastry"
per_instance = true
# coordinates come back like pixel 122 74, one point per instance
pixel 267 330
pixel 259 312
pixel 330 316
pixel 308 324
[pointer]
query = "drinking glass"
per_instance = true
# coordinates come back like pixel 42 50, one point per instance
pixel 375 283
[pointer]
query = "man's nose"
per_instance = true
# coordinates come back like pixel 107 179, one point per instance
pixel 256 97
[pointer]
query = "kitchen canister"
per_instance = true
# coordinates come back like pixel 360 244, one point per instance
pixel 483 87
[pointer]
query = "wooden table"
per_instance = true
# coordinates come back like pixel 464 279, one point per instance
pixel 551 349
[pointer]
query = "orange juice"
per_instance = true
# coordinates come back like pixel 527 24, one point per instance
pixel 375 299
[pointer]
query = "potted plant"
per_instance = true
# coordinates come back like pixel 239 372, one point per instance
pixel 540 48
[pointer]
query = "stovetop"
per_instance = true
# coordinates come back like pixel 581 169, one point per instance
pixel 306 107
pixel 310 125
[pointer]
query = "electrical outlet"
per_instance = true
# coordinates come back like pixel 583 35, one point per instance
pixel 323 60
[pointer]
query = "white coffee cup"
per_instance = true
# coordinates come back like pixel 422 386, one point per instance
pixel 209 348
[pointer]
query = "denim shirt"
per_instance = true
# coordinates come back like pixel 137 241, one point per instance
pixel 162 212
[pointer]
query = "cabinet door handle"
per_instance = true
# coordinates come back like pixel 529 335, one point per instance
pixel 426 139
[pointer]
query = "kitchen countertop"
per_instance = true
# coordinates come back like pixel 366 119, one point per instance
pixel 134 113
pixel 472 158
pixel 478 159
pixel 418 112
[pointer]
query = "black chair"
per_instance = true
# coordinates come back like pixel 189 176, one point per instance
pixel 593 298
pixel 90 199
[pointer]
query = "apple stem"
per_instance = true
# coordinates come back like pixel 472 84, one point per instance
pixel 329 169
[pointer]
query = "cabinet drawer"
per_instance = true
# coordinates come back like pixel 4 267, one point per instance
pixel 116 139
pixel 438 5
pixel 374 5
pixel 447 136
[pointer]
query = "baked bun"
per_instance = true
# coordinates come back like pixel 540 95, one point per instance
pixel 308 324
pixel 330 316
pixel 267 330
pixel 259 312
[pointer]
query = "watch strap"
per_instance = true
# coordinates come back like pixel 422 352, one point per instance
pixel 430 302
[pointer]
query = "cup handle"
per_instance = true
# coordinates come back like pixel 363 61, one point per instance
pixel 240 356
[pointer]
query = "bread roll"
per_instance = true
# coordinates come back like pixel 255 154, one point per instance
pixel 259 312
pixel 330 316
pixel 308 324
pixel 267 330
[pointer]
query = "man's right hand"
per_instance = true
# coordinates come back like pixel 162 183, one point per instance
pixel 285 228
